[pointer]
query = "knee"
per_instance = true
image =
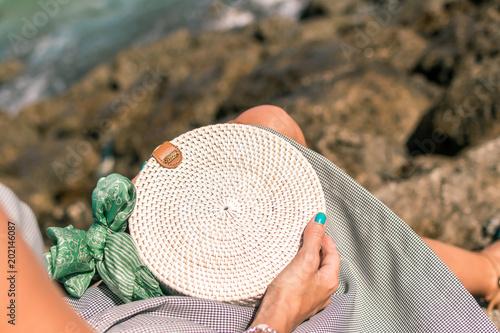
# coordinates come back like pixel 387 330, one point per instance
pixel 275 118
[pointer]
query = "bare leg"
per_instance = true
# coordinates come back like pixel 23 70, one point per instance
pixel 475 272
pixel 274 118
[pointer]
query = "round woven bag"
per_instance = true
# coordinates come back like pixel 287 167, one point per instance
pixel 224 218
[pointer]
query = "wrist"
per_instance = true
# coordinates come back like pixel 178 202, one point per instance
pixel 261 328
pixel 276 315
pixel 274 323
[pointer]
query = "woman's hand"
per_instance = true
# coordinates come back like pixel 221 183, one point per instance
pixel 304 287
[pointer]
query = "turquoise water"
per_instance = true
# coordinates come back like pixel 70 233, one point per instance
pixel 59 41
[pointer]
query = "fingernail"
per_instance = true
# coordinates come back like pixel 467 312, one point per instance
pixel 320 218
pixel 143 165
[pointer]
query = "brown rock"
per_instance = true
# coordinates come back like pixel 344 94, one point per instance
pixel 9 69
pixel 15 137
pixel 334 116
pixel 367 157
pixel 463 57
pixel 321 8
pixel 465 116
pixel 494 316
pixel 454 200
pixel 284 73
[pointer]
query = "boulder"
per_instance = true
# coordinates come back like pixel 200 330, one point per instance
pixel 357 121
pixel 468 113
pixel 452 199
pixel 9 69
pixel 463 57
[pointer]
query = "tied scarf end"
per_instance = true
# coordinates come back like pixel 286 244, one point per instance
pixel 146 285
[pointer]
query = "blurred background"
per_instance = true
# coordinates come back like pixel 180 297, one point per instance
pixel 402 95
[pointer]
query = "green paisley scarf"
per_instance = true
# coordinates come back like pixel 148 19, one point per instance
pixel 105 251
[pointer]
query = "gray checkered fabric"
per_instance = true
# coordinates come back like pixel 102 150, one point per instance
pixel 19 213
pixel 390 281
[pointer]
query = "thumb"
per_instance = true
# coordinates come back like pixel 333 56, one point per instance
pixel 314 233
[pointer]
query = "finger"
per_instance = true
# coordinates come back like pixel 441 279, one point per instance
pixel 314 233
pixel 330 265
pixel 329 252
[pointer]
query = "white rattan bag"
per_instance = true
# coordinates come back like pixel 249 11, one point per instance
pixel 228 217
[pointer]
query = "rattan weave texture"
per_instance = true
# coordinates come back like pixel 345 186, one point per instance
pixel 229 218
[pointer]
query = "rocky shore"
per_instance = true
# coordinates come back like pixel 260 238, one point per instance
pixel 404 96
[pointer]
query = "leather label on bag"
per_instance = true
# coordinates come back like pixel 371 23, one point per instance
pixel 168 155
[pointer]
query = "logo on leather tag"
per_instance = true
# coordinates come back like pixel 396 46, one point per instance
pixel 171 157
pixel 168 155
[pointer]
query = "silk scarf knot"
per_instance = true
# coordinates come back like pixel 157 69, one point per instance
pixel 105 251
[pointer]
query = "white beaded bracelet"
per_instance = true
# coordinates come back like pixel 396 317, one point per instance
pixel 262 328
